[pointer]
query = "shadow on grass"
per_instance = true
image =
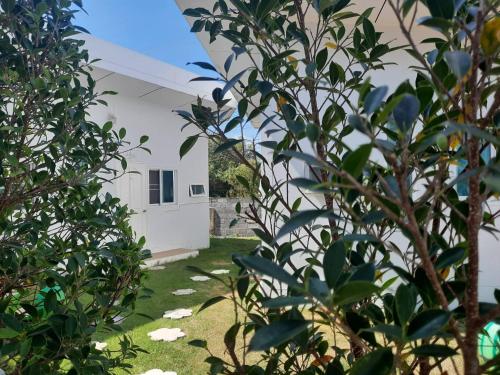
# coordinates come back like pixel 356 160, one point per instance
pixel 175 276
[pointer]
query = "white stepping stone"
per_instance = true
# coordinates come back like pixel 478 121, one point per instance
pixel 156 268
pixel 166 334
pixel 158 372
pixel 118 319
pixel 200 278
pixel 178 314
pixel 220 272
pixel 100 345
pixel 183 292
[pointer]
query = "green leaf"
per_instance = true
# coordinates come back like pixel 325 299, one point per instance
pixel 8 333
pixel 369 31
pixel 440 351
pixel 354 291
pixel 309 159
pixel 299 220
pixel 230 143
pixel 449 257
pixel 379 362
pixel 276 334
pixel 230 336
pixel 38 83
pixel 188 145
pixel 268 268
pixel 230 84
pixel 321 59
pixel 459 62
pixel 406 301
pixel 374 99
pixel 198 343
pixel 107 127
pixel 333 263
pixel 391 331
pixel 204 65
pixel 355 162
pixel 441 8
pixel 212 301
pixel 359 123
pixel 493 182
pixel 284 301
pixel 427 324
pixel 406 112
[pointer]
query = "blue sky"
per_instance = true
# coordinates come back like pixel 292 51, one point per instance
pixel 153 27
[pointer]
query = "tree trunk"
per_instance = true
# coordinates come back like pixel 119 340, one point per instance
pixel 471 362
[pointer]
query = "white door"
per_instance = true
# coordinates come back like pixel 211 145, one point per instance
pixel 135 191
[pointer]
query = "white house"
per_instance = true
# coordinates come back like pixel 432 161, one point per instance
pixel 168 195
pixel 392 76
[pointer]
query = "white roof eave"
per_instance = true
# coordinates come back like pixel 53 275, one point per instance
pixel 123 61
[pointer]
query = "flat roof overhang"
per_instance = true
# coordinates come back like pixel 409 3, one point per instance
pixel 133 74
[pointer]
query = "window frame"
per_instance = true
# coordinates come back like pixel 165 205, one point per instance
pixel 174 186
pixel 192 195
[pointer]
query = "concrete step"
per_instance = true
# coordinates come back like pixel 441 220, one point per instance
pixel 169 256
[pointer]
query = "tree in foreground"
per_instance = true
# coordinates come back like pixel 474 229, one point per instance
pixel 369 262
pixel 69 263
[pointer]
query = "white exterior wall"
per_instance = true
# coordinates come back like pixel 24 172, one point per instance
pixel 148 93
pixel 185 223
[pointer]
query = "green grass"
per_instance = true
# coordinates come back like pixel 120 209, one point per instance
pixel 210 324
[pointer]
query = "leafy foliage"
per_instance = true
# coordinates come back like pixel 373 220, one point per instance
pixel 69 261
pixel 363 231
pixel 226 172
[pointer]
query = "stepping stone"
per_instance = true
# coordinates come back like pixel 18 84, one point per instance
pixel 183 292
pixel 178 314
pixel 200 278
pixel 100 345
pixel 220 272
pixel 158 372
pixel 166 334
pixel 118 319
pixel 156 268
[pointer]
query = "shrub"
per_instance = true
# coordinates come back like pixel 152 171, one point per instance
pixel 69 261
pixel 373 244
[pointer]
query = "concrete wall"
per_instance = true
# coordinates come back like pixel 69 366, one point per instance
pixel 222 213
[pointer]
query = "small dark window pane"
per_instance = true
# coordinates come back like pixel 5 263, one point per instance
pixel 154 187
pixel 197 189
pixel 168 186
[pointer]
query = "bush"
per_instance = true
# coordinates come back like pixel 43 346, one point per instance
pixel 69 261
pixel 373 245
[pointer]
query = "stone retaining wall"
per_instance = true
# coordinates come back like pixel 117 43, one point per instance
pixel 222 213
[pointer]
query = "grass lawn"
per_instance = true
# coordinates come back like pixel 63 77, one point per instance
pixel 209 325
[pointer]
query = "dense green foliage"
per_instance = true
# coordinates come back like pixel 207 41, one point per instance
pixel 224 167
pixel 69 262
pixel 374 244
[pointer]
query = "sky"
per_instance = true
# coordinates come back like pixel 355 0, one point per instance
pixel 155 28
